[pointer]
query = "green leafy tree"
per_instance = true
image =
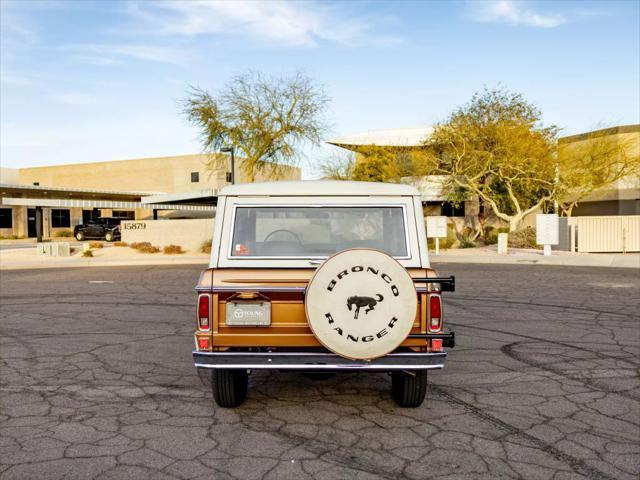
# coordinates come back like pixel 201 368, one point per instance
pixel 495 147
pixel 370 163
pixel 265 119
pixel 376 164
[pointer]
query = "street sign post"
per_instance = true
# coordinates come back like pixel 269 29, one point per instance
pixel 547 231
pixel 437 228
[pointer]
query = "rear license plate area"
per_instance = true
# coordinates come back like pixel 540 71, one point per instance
pixel 248 314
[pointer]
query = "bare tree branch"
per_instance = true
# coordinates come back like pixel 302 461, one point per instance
pixel 267 120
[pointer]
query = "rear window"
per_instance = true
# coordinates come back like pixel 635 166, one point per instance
pixel 311 232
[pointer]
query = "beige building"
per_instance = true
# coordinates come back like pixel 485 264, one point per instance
pixel 63 196
pixel 621 198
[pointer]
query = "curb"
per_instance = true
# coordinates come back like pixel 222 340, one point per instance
pixel 102 263
pixel 633 261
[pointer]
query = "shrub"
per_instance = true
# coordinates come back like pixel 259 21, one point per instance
pixel 205 247
pixel 88 253
pixel 525 238
pixel 63 233
pixel 120 244
pixel 491 234
pixel 96 245
pixel 172 249
pixel 466 242
pixel 148 249
pixel 140 245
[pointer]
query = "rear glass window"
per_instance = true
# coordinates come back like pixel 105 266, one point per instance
pixel 306 232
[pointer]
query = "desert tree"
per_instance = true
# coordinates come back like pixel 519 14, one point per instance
pixel 338 166
pixel 594 162
pixel 496 148
pixel 376 164
pixel 265 119
pixel 370 163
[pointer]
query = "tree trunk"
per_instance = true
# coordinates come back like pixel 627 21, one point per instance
pixel 569 210
pixel 515 221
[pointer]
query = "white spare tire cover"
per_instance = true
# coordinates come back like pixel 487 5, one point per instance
pixel 361 303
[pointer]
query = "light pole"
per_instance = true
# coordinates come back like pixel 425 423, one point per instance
pixel 233 162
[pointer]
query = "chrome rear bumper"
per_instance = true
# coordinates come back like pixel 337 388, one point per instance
pixel 310 361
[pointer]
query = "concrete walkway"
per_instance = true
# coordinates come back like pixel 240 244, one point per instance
pixel 109 256
pixel 21 258
pixel 531 256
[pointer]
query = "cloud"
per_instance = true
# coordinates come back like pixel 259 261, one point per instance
pixel 110 54
pixel 17 80
pixel 512 12
pixel 78 99
pixel 292 23
pixel 17 33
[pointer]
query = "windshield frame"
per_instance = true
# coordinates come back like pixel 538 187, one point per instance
pixel 380 204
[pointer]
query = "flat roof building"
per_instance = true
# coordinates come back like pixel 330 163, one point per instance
pixel 183 186
pixel 620 198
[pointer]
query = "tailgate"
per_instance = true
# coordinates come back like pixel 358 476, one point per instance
pixel 284 289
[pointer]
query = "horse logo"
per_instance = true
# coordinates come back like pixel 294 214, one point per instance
pixel 360 302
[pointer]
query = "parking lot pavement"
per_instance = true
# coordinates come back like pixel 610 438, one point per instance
pixel 97 382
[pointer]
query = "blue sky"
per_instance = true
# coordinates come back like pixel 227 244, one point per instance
pixel 88 81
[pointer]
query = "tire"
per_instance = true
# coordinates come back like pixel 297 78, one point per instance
pixel 229 387
pixel 108 236
pixel 80 236
pixel 409 390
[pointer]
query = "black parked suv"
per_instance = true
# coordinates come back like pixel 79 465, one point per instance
pixel 107 228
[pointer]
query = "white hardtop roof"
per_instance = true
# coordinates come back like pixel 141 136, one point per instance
pixel 315 188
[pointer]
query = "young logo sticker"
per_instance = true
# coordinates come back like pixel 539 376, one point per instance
pixel 361 304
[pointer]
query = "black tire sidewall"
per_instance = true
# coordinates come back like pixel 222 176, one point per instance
pixel 409 390
pixel 229 387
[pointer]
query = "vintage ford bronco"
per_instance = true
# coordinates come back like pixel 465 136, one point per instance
pixel 320 276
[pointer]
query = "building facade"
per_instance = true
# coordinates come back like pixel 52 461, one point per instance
pixel 66 195
pixel 620 198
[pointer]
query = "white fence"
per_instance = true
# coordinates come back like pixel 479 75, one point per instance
pixel 608 234
pixel 188 233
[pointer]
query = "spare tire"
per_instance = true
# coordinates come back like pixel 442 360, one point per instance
pixel 361 304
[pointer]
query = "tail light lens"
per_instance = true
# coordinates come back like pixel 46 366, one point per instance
pixel 435 312
pixel 436 345
pixel 203 343
pixel 204 320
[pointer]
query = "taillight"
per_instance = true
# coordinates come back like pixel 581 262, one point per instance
pixel 203 312
pixel 203 343
pixel 435 312
pixel 436 345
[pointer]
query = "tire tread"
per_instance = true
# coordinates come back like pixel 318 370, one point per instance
pixel 409 391
pixel 229 387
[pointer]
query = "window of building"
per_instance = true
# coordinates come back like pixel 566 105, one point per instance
pixel 450 210
pixel 195 177
pixel 60 218
pixel 6 218
pixel 86 216
pixel 446 209
pixel 124 214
